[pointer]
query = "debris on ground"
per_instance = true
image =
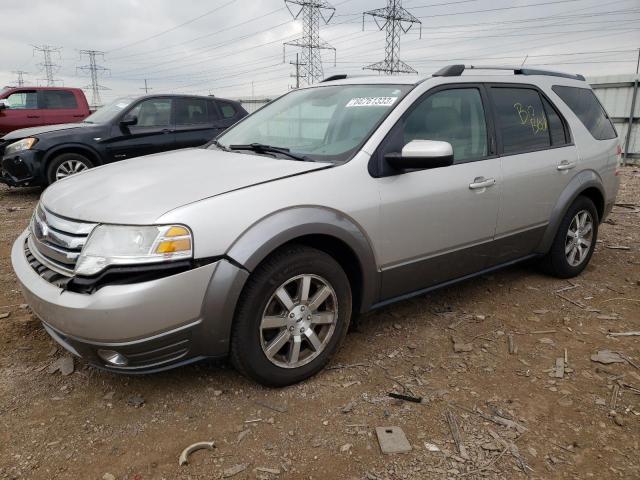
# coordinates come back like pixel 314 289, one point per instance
pixel 623 334
pixel 392 440
pixel 558 371
pixel 236 469
pixel 406 398
pixel 64 365
pixel 431 447
pixel 606 357
pixel 184 456
pixel 136 401
pixel 4 315
pixel 461 347
pixel 455 433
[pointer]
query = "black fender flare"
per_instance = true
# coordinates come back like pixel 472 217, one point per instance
pixel 578 184
pixel 284 226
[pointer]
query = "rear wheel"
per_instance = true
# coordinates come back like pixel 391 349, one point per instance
pixel 66 165
pixel 292 317
pixel 575 240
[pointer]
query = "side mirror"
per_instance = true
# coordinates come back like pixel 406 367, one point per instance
pixel 129 120
pixel 422 154
pixel 3 105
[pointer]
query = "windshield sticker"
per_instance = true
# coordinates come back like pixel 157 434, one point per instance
pixel 371 102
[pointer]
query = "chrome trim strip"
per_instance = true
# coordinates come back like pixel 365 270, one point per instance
pixel 54 253
pixel 63 224
pixel 47 262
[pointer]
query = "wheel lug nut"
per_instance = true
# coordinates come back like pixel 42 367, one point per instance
pixel 291 329
pixel 302 330
pixel 308 317
pixel 302 308
pixel 291 315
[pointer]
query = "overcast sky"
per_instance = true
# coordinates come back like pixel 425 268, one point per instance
pixel 222 46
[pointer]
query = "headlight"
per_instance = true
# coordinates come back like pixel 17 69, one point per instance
pixel 20 145
pixel 126 245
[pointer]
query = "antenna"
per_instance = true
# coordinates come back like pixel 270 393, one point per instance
pixel 94 70
pixel 397 21
pixel 311 11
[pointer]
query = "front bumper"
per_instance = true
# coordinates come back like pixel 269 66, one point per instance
pixel 156 325
pixel 21 169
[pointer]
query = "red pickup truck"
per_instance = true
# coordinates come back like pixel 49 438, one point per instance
pixel 23 107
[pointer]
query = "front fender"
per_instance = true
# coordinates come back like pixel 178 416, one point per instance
pixel 578 184
pixel 91 152
pixel 284 226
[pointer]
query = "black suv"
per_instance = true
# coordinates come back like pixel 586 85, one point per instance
pixel 128 127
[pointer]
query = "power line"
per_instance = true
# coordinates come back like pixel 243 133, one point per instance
pixel 397 20
pixel 94 71
pixel 312 11
pixel 47 65
pixel 156 35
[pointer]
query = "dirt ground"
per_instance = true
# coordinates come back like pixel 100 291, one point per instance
pixel 512 414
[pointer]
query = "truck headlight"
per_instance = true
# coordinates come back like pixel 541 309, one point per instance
pixel 131 245
pixel 20 145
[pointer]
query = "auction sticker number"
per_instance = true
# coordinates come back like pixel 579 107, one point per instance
pixel 371 102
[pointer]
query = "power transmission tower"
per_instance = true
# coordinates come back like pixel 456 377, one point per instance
pixel 20 74
pixel 146 87
pixel 297 75
pixel 311 11
pixel 397 21
pixel 47 65
pixel 94 70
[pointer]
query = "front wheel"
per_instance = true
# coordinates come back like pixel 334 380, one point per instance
pixel 575 240
pixel 66 165
pixel 292 317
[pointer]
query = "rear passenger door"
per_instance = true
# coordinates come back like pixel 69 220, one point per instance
pixel 58 106
pixel 197 121
pixel 538 161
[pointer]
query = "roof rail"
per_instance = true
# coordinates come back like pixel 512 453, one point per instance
pixel 456 71
pixel 333 78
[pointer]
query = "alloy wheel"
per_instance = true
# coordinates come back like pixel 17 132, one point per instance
pixel 579 238
pixel 299 320
pixel 70 167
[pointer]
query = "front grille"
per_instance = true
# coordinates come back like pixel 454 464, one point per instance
pixel 56 242
pixel 49 275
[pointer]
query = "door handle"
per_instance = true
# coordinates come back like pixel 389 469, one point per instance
pixel 33 116
pixel 167 130
pixel 566 165
pixel 481 182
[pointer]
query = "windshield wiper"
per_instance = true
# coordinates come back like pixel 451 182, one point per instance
pixel 262 148
pixel 220 146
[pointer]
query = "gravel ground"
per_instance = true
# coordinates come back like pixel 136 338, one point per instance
pixel 512 413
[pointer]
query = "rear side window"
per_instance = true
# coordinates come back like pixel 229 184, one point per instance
pixel 583 102
pixel 557 130
pixel 191 111
pixel 227 109
pixel 521 120
pixel 57 99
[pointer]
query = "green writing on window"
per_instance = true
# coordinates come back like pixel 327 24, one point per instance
pixel 528 117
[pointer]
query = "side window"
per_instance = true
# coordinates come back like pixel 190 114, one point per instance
pixel 214 115
pixel 521 120
pixel 557 130
pixel 57 99
pixel 191 111
pixel 227 109
pixel 583 102
pixel 153 112
pixel 455 116
pixel 22 100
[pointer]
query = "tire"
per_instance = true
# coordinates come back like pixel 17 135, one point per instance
pixel 563 261
pixel 265 337
pixel 66 165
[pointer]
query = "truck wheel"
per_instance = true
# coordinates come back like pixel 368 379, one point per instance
pixel 66 165
pixel 292 316
pixel 575 240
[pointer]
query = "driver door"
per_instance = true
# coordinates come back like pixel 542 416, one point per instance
pixel 153 133
pixel 439 223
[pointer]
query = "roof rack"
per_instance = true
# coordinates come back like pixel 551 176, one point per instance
pixel 456 71
pixel 333 78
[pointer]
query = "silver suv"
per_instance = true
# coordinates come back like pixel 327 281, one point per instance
pixel 331 201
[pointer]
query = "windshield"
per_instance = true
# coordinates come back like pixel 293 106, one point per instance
pixel 109 112
pixel 327 123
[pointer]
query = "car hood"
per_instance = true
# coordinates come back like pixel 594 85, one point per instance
pixel 140 190
pixel 33 131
